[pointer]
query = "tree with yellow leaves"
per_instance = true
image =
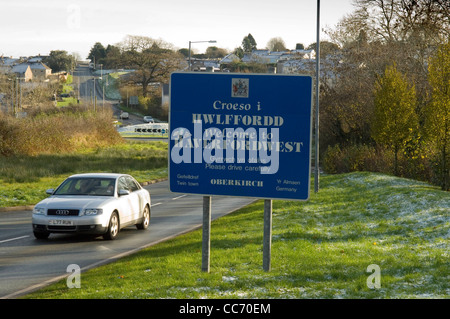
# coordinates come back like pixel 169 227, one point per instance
pixel 437 113
pixel 395 120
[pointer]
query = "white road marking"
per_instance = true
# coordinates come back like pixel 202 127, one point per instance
pixel 178 197
pixel 11 239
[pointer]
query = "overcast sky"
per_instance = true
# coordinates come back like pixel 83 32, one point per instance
pixel 30 27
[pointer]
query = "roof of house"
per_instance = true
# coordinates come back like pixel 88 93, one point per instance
pixel 38 58
pixel 39 65
pixel 261 57
pixel 229 58
pixel 20 68
pixel 8 61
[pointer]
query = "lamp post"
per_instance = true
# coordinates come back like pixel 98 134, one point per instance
pixel 316 164
pixel 210 41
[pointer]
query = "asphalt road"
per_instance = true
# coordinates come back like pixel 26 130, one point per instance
pixel 90 92
pixel 27 264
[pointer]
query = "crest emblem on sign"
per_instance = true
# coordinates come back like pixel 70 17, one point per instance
pixel 239 87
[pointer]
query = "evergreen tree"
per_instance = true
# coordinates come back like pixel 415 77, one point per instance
pixel 248 43
pixel 97 53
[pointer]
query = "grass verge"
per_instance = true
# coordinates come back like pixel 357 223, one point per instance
pixel 24 179
pixel 320 249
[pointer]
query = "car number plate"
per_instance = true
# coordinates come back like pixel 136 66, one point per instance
pixel 60 222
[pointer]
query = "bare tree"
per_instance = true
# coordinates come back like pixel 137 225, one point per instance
pixel 154 60
pixel 399 20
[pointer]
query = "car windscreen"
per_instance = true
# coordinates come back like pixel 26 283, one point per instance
pixel 93 186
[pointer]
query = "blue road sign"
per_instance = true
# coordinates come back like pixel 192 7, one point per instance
pixel 240 134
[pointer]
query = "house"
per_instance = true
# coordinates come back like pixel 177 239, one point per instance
pixel 5 61
pixel 296 66
pixel 203 65
pixel 22 71
pixel 305 54
pixel 40 71
pixel 274 61
pixel 38 58
pixel 282 61
pixel 265 57
pixel 226 62
pixel 258 56
pixel 6 64
pixel 230 58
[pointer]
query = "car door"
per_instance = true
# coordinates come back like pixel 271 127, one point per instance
pixel 129 203
pixel 135 198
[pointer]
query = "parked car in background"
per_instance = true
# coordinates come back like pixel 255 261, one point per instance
pixel 148 119
pixel 93 203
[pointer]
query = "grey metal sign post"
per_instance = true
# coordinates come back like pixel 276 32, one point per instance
pixel 267 236
pixel 206 233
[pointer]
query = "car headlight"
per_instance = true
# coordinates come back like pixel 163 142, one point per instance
pixel 91 212
pixel 39 211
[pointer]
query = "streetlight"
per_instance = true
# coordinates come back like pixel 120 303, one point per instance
pixel 210 41
pixel 316 135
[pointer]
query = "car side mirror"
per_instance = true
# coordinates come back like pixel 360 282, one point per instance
pixel 50 191
pixel 123 192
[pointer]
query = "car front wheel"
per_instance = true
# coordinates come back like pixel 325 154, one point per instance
pixel 113 228
pixel 145 219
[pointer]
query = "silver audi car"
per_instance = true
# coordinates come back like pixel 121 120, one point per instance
pixel 94 203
